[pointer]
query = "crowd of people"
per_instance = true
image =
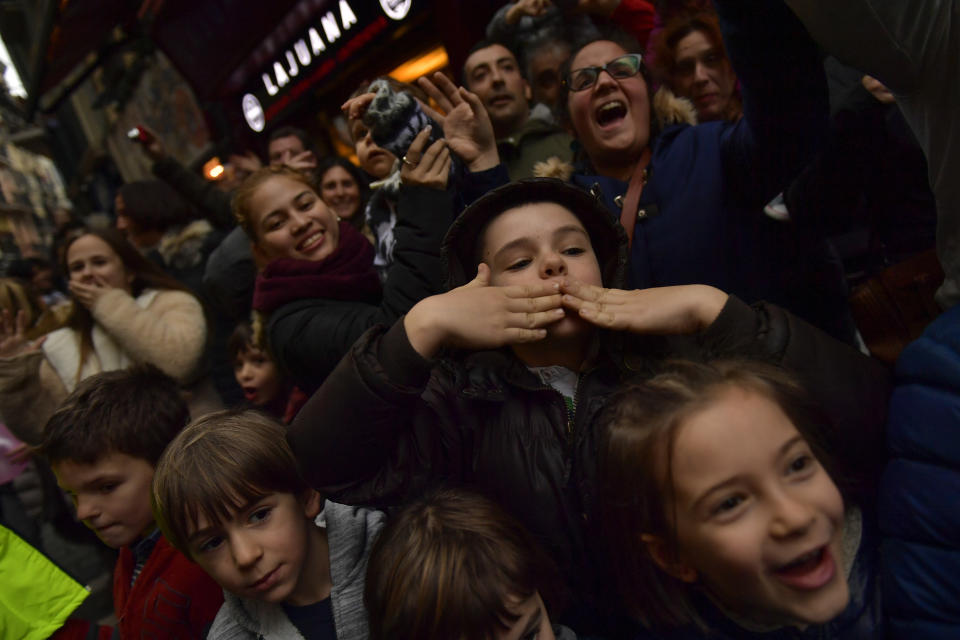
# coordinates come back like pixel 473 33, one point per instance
pixel 569 352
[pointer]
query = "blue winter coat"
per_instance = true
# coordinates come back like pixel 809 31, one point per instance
pixel 920 490
pixel 701 217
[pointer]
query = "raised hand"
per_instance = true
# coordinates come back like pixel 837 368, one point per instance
pixel 354 108
pixel 154 148
pixel 13 341
pixel 526 8
pixel 429 168
pixel 480 316
pixel 466 125
pixel 87 294
pixel 662 310
pixel 303 161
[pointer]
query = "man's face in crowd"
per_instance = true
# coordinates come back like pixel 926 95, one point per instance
pixel 544 73
pixel 282 149
pixel 494 75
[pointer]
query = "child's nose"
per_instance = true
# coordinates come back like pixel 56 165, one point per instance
pixel 553 266
pixel 791 516
pixel 245 550
pixel 86 508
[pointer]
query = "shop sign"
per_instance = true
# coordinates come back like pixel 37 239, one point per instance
pixel 336 35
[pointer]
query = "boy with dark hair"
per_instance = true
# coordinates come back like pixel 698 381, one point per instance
pixel 498 383
pixel 228 494
pixel 454 565
pixel 103 443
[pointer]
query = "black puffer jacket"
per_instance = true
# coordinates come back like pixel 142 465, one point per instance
pixel 388 424
pixel 309 336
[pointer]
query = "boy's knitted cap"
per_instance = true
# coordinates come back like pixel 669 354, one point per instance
pixel 460 246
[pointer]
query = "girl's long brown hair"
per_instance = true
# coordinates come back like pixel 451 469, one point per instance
pixel 146 274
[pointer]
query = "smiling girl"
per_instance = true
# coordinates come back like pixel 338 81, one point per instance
pixel 719 513
pixel 318 286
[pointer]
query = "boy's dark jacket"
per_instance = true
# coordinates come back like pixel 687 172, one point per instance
pixel 387 424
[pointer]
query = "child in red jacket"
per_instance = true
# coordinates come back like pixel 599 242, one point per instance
pixel 103 444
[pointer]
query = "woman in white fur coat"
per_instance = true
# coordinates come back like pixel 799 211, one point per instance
pixel 125 311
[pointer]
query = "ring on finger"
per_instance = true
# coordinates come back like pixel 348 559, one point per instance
pixel 412 165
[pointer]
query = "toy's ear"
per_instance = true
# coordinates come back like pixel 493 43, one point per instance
pixel 312 503
pixel 666 560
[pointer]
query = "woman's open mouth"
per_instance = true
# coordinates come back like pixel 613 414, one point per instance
pixel 311 242
pixel 610 114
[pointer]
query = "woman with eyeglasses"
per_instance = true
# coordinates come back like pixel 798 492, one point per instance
pixel 691 197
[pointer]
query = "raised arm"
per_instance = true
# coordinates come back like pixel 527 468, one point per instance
pixel 785 102
pixel 169 333
pixel 383 425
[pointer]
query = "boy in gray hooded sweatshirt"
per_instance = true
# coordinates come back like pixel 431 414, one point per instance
pixel 228 495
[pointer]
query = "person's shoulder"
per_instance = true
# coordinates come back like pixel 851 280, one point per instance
pixel 170 299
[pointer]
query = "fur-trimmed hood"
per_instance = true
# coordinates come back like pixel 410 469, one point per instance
pixel 181 248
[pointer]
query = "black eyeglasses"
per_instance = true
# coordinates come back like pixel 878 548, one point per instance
pixel 619 68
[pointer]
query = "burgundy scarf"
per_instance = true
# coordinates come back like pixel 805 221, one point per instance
pixel 346 274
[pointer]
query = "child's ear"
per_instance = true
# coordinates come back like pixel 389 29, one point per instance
pixel 312 503
pixel 666 560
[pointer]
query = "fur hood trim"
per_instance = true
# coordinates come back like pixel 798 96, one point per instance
pixel 176 245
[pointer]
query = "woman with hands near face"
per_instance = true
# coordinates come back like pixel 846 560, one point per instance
pixel 125 311
pixel 499 382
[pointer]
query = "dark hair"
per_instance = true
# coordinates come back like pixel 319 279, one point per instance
pixel 636 491
pixel 153 205
pixel 611 33
pixel 218 464
pixel 241 340
pixel 145 275
pixel 135 411
pixel 445 566
pixel 328 162
pixel 486 44
pixel 288 131
pixel 546 41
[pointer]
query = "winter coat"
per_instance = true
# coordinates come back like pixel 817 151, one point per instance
pixel 165 328
pixel 388 424
pixel 171 598
pixel 700 218
pixel 350 535
pixel 920 492
pixel 37 596
pixel 309 336
pixel 536 141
